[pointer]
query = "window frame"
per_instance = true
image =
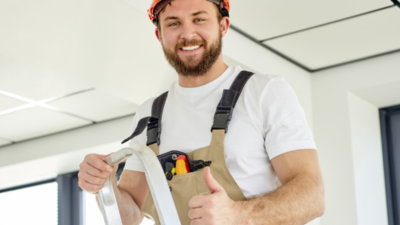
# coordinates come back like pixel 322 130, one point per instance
pixel 388 163
pixel 27 185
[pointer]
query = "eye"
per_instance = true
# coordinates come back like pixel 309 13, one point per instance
pixel 173 24
pixel 198 20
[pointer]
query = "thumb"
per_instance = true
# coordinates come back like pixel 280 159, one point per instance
pixel 211 183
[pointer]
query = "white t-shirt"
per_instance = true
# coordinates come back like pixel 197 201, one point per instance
pixel 266 122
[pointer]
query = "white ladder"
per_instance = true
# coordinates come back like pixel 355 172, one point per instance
pixel 155 179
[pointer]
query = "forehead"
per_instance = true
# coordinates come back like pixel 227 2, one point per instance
pixel 181 8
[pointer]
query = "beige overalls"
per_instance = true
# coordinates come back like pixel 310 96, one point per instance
pixel 185 186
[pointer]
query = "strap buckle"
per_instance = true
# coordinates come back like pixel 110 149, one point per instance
pixel 222 118
pixel 153 131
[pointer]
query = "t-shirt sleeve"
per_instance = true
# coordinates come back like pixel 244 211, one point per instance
pixel 285 126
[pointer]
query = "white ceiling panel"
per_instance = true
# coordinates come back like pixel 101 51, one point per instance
pixel 4 142
pixel 94 42
pixel 95 105
pixel 35 83
pixel 264 19
pixel 35 122
pixel 8 102
pixel 353 39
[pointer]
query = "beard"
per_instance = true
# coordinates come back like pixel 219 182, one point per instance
pixel 194 67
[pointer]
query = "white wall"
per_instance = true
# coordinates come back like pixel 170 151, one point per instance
pixel 346 125
pixel 368 161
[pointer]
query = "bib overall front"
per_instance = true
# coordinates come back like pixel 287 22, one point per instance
pixel 185 186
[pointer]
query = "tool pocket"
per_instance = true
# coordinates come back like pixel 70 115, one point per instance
pixel 184 186
pixel 168 162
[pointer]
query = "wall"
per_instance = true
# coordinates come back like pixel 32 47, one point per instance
pixel 368 161
pixel 346 125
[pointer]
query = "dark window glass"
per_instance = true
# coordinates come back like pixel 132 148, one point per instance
pixel 390 124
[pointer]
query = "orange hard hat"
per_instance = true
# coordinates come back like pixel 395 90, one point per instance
pixel 158 5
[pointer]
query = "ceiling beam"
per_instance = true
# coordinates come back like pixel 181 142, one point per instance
pixel 46 157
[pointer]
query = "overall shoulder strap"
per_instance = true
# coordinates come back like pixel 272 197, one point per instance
pixel 153 122
pixel 225 107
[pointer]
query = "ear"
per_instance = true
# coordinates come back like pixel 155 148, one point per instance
pixel 158 34
pixel 225 22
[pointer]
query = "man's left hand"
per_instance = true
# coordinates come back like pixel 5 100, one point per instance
pixel 215 208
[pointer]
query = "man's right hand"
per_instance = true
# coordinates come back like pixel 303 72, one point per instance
pixel 131 192
pixel 94 173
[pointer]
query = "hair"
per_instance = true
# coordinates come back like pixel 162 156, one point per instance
pixel 219 15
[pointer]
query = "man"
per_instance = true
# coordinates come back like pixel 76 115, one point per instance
pixel 269 150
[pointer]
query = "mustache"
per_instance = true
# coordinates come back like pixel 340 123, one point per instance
pixel 189 43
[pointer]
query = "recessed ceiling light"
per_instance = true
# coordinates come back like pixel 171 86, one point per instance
pixel 41 103
pixel 16 96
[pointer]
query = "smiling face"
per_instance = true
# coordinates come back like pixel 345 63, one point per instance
pixel 190 34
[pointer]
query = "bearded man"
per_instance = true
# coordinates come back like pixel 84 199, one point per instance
pixel 262 170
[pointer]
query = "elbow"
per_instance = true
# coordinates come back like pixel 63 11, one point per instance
pixel 321 209
pixel 317 210
pixel 320 203
pixel 317 201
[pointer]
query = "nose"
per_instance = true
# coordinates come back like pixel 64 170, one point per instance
pixel 188 31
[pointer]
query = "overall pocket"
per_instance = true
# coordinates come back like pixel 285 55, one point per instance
pixel 183 188
pixel 171 156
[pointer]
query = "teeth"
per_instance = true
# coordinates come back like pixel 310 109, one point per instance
pixel 190 48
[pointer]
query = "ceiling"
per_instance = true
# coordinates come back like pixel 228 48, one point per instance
pixel 318 35
pixel 35 103
pixel 67 64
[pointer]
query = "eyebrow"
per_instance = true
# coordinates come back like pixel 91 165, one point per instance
pixel 199 12
pixel 193 14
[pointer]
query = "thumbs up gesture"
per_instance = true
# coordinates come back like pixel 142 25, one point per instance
pixel 215 208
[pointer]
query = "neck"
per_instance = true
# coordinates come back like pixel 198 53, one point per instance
pixel 215 71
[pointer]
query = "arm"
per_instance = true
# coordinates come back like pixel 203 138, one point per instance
pixel 130 193
pixel 299 200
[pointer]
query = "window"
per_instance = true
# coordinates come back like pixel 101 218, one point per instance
pixel 30 205
pixel 57 201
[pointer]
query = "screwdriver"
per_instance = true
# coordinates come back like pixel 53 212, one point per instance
pixel 182 165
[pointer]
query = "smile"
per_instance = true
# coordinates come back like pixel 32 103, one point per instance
pixel 191 48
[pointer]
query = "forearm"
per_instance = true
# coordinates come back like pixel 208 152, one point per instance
pixel 297 202
pixel 129 211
